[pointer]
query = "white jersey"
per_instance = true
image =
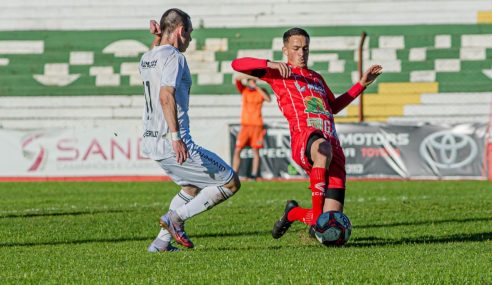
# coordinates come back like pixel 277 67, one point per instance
pixel 160 67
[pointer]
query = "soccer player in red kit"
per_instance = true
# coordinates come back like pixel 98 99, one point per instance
pixel 308 105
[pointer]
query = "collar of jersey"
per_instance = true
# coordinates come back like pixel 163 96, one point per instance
pixel 294 67
pixel 299 68
pixel 166 46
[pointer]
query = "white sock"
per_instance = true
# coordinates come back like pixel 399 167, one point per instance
pixel 206 199
pixel 179 200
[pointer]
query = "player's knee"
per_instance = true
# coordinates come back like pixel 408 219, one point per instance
pixel 325 151
pixel 234 184
pixel 191 190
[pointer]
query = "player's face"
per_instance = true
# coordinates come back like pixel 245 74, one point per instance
pixel 251 83
pixel 185 38
pixel 297 51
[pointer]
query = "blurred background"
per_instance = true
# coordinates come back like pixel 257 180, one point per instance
pixel 71 97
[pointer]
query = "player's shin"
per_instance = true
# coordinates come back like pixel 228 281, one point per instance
pixel 206 199
pixel 318 186
pixel 334 199
pixel 180 199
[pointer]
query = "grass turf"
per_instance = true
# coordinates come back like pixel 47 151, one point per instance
pixel 97 233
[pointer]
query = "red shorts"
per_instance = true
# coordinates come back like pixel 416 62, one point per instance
pixel 250 136
pixel 336 171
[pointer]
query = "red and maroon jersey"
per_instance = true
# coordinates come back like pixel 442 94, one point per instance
pixel 304 98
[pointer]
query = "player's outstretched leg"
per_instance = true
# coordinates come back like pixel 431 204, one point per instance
pixel 162 242
pixel 208 198
pixel 171 222
pixel 283 224
pixel 311 232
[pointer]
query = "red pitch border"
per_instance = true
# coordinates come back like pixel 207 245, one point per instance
pixel 87 179
pixel 167 178
pixel 112 179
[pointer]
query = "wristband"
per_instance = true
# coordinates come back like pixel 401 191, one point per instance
pixel 356 89
pixel 175 136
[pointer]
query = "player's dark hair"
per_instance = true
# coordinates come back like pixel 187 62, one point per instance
pixel 294 32
pixel 172 19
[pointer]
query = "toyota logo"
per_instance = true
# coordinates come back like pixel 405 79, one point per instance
pixel 448 150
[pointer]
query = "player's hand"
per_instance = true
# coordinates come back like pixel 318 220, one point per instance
pixel 181 151
pixel 282 67
pixel 155 28
pixel 371 74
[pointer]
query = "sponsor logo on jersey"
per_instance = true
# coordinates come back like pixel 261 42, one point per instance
pixel 315 123
pixel 299 88
pixel 150 134
pixel 317 88
pixel 322 125
pixel 315 105
pixel 313 86
pixel 148 64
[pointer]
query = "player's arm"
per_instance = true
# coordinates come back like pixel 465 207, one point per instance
pixel 259 67
pixel 171 75
pixel 155 29
pixel 239 85
pixel 346 98
pixel 168 104
pixel 265 94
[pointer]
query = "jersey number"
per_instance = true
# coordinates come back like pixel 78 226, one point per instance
pixel 148 103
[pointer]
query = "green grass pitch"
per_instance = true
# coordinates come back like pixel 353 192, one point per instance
pixel 97 233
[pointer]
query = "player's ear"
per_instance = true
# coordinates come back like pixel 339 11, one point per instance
pixel 284 50
pixel 180 30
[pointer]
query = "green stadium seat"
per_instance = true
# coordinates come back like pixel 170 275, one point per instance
pixel 417 60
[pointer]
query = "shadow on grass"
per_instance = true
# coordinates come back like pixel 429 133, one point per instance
pixel 235 234
pixel 125 239
pixel 365 242
pixel 464 237
pixel 358 242
pixel 76 242
pixel 76 213
pixel 422 223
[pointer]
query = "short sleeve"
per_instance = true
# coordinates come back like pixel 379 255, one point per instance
pixel 172 71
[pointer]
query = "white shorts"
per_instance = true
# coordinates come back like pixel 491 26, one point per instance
pixel 203 168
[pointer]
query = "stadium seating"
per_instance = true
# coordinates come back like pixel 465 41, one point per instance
pixel 417 60
pixel 434 58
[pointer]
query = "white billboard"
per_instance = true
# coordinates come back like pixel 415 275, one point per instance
pixel 73 153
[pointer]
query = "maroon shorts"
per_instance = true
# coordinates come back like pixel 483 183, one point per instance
pixel 336 171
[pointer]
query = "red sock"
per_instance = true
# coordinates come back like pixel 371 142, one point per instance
pixel 302 215
pixel 318 187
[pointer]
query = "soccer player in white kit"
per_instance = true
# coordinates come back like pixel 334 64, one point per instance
pixel 205 179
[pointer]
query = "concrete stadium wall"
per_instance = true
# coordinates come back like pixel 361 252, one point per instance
pixel 210 115
pixel 130 14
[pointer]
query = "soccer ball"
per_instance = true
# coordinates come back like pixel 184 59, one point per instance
pixel 333 228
